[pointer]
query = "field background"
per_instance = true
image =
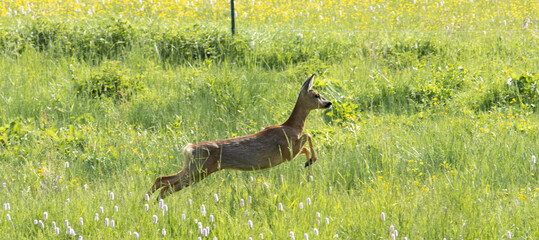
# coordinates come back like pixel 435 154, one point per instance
pixel 434 124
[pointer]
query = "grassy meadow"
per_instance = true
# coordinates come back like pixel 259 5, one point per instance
pixel 433 133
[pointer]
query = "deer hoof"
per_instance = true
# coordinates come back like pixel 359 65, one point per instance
pixel 309 163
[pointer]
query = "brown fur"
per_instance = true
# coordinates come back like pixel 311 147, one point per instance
pixel 267 148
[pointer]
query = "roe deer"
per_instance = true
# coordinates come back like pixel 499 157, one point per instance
pixel 267 148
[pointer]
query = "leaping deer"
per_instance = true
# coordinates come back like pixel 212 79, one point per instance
pixel 267 148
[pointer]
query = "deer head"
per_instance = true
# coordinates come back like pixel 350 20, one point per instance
pixel 310 98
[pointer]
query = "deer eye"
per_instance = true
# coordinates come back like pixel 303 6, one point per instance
pixel 317 96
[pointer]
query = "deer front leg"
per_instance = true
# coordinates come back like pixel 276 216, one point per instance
pixel 311 158
pixel 307 153
pixel 310 154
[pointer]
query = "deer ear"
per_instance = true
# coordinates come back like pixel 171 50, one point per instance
pixel 308 84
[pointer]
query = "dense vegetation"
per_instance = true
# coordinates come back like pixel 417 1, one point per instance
pixel 434 129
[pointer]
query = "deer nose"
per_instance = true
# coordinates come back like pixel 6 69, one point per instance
pixel 328 105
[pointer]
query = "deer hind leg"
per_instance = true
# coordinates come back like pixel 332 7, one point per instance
pixel 163 181
pixel 166 182
pixel 180 181
pixel 187 177
pixel 196 169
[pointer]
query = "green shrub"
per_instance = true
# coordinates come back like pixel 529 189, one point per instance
pixel 190 43
pixel 402 53
pixel 342 113
pixel 12 133
pixel 110 82
pixel 304 69
pixel 11 42
pixel 280 51
pixel 44 34
pixel 101 41
pixel 524 89
pixel 95 40
pixel 21 132
pixel 521 90
pixel 442 86
pixel 419 48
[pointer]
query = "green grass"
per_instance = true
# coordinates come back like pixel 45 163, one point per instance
pixel 425 128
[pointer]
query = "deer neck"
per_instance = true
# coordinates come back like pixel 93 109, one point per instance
pixel 298 117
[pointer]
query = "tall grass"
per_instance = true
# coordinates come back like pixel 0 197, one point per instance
pixel 433 128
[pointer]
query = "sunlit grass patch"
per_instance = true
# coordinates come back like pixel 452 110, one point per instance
pixel 433 131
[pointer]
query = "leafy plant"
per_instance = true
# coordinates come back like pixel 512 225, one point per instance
pixel 442 86
pixel 343 112
pixel 11 42
pixel 524 89
pixel 521 90
pixel 110 82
